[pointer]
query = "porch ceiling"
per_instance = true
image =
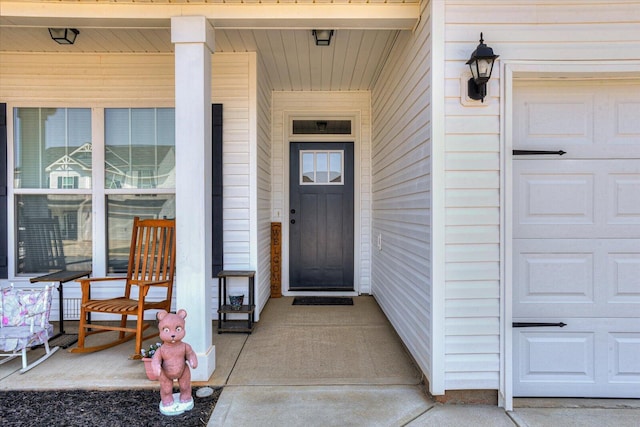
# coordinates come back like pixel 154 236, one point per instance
pixel 279 32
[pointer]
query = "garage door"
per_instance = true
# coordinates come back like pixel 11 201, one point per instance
pixel 576 239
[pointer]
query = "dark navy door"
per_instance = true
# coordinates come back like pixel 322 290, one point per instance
pixel 321 216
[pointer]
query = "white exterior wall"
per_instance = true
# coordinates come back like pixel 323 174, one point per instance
pixel 402 278
pixel 541 30
pixel 263 284
pixel 322 104
pixel 136 80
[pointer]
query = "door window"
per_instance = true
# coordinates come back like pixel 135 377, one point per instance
pixel 321 167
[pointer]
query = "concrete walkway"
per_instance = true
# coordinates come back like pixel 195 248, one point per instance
pixel 345 366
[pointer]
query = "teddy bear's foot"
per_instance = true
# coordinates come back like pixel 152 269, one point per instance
pixel 177 407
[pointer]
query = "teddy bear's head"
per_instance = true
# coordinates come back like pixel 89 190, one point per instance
pixel 171 325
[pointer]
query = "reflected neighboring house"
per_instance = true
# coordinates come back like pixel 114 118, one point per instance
pixel 135 166
pixel 71 170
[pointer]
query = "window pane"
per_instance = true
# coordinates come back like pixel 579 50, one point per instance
pixel 322 168
pixel 335 167
pixel 54 232
pixel 307 167
pixel 121 209
pixel 52 146
pixel 140 148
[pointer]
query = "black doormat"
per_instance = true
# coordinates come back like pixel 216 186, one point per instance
pixel 98 408
pixel 322 301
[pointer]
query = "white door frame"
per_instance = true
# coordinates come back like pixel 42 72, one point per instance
pixel 288 138
pixel 510 70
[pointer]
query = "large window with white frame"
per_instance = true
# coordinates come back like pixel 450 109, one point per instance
pixel 139 170
pixel 57 184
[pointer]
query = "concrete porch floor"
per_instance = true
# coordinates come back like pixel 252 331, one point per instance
pixel 315 366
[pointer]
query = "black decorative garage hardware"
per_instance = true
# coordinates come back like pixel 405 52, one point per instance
pixel 536 152
pixel 537 324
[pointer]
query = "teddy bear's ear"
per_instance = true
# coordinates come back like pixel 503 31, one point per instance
pixel 161 314
pixel 182 313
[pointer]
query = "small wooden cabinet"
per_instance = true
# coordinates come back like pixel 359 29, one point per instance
pixel 246 309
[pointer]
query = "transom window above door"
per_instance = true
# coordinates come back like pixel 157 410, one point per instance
pixel 321 127
pixel 322 167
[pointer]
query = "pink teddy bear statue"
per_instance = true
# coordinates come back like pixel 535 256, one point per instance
pixel 171 362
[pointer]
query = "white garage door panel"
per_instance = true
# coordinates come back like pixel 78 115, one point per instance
pixel 576 239
pixel 624 363
pixel 583 120
pixel 591 358
pixel 624 194
pixel 572 352
pixel 576 277
pixel 562 198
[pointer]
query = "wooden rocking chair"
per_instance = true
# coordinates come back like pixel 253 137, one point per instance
pixel 151 265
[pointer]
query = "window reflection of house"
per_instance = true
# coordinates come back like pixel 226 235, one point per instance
pixel 127 167
pixel 71 170
pixel 140 166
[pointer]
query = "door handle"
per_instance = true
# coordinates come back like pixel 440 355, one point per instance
pixel 293 221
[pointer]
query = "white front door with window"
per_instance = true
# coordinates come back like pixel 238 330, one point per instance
pixel 576 238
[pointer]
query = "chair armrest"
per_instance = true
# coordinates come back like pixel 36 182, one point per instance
pixel 152 283
pixel 85 284
pixel 145 286
pixel 99 279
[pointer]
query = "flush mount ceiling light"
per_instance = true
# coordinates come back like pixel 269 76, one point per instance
pixel 323 37
pixel 321 126
pixel 64 35
pixel 481 64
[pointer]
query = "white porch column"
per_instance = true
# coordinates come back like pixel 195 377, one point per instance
pixel 193 37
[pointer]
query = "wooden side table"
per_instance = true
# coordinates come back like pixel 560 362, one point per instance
pixel 224 309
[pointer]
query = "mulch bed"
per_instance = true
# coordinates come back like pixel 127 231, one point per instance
pixel 113 408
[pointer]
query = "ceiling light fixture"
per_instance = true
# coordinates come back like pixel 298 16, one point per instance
pixel 64 35
pixel 322 37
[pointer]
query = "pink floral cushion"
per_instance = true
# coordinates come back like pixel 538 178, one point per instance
pixel 25 318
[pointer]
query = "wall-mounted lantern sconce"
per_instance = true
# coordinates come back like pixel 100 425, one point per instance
pixel 64 35
pixel 481 64
pixel 323 37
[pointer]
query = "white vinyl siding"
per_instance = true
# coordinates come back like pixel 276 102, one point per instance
pixel 401 191
pixel 318 105
pixel 263 99
pixel 137 80
pixel 535 30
